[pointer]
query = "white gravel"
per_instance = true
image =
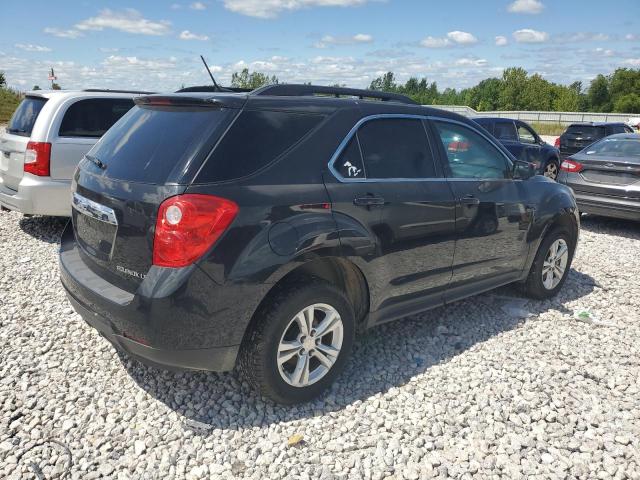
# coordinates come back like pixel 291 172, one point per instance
pixel 492 387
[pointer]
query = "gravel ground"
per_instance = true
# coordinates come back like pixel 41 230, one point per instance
pixel 492 387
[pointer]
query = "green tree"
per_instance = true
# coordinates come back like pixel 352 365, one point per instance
pixel 36 87
pixel 252 80
pixel 55 86
pixel 385 83
pixel 622 82
pixel 514 82
pixel 3 80
pixel 598 96
pixel 629 103
pixel 566 99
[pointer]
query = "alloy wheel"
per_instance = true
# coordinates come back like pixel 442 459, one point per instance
pixel 555 264
pixel 310 345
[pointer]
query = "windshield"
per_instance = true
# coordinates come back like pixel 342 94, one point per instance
pixel 629 148
pixel 158 144
pixel 25 116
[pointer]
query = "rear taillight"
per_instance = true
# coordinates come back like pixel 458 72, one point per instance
pixel 37 158
pixel 557 143
pixel 187 226
pixel 571 166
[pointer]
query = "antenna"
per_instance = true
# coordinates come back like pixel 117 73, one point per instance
pixel 215 84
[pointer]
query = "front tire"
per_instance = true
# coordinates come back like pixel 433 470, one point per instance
pixel 300 341
pixel 551 265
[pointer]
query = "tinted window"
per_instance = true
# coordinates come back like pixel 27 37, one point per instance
pixel 349 164
pixel 628 148
pixel 585 131
pixel 256 139
pixel 505 131
pixel 25 116
pixel 396 148
pixel 148 143
pixel 92 118
pixel 486 124
pixel 526 135
pixel 469 154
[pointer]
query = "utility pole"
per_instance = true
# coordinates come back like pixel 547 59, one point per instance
pixel 52 77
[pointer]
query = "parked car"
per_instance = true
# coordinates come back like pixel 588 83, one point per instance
pixel 264 230
pixel 47 135
pixel 580 135
pixel 524 143
pixel 605 176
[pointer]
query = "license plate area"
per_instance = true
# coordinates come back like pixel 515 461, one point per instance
pixel 96 227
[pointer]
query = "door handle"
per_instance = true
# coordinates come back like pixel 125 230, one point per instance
pixel 470 200
pixel 368 201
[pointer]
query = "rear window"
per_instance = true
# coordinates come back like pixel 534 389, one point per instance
pixel 627 148
pixel 587 131
pixel 256 139
pixel 92 118
pixel 25 116
pixel 159 144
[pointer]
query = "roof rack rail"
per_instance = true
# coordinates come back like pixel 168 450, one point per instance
pixel 212 88
pixel 106 90
pixel 292 90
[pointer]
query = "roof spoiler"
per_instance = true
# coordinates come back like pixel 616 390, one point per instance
pixel 176 101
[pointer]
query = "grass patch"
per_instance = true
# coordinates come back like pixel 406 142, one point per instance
pixel 9 100
pixel 544 128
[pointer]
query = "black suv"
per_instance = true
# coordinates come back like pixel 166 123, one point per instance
pixel 580 135
pixel 264 230
pixel 524 143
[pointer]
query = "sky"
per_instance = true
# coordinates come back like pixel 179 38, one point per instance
pixel 155 45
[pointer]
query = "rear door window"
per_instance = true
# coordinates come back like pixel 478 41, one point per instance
pixel 505 131
pixel 93 117
pixel 256 138
pixel 25 116
pixel 396 148
pixel 349 165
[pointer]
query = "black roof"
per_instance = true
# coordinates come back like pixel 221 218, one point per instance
pixel 595 124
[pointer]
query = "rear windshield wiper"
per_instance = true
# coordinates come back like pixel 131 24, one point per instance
pixel 96 161
pixel 17 130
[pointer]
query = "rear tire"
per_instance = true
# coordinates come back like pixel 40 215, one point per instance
pixel 289 355
pixel 551 266
pixel 552 169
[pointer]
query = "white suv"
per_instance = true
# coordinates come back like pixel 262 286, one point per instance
pixel 47 137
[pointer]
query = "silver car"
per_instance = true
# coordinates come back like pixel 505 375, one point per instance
pixel 45 140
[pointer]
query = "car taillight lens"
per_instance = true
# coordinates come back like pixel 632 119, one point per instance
pixel 571 166
pixel 37 158
pixel 557 143
pixel 187 226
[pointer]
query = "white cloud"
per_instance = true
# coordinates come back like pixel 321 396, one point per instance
pixel 471 62
pixel 176 6
pixel 501 41
pixel 453 38
pixel 463 38
pixel 108 50
pixel 271 8
pixel 187 35
pixel 526 6
pixel 129 20
pixel 198 6
pixel 328 40
pixel 29 47
pixel 58 32
pixel 604 52
pixel 631 37
pixel 634 62
pixel 528 35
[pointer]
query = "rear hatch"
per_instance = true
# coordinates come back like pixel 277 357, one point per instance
pixel 13 143
pixel 578 137
pixel 150 154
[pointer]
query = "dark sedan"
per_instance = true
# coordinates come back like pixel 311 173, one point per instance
pixel 605 177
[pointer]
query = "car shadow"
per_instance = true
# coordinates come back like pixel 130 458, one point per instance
pixel 610 226
pixel 206 401
pixel 46 229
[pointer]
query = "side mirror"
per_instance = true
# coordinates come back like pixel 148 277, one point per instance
pixel 523 170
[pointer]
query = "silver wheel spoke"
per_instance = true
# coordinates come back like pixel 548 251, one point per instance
pixel 328 324
pixel 298 375
pixel 555 265
pixel 327 354
pixel 548 280
pixel 288 350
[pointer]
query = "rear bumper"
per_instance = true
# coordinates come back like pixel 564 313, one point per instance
pixel 38 196
pixel 608 206
pixel 171 327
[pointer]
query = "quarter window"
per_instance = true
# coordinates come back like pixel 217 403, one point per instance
pixel 92 118
pixel 396 148
pixel 505 131
pixel 469 154
pixel 349 164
